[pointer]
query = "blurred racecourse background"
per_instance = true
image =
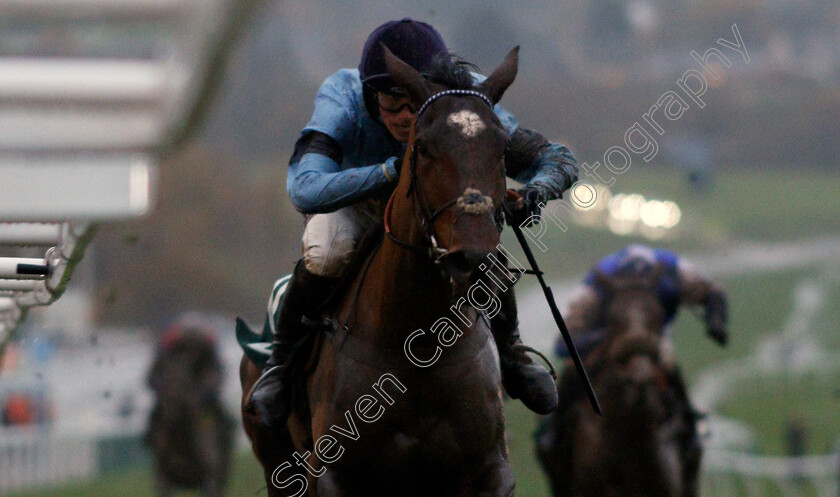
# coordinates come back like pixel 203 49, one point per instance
pixel 744 182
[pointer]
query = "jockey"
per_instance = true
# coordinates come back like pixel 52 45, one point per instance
pixel 679 283
pixel 345 165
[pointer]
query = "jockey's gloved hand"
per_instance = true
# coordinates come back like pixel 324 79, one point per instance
pixel 719 335
pixel 525 206
pixel 391 167
pixel 717 315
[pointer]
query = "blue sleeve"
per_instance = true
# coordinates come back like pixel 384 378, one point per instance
pixel 668 259
pixel 532 160
pixel 508 120
pixel 607 266
pixel 555 171
pixel 316 184
pixel 336 112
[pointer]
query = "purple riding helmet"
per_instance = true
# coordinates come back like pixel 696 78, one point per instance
pixel 415 42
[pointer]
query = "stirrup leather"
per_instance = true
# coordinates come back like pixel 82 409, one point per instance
pixel 525 348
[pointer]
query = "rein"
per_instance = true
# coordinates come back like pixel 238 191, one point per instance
pixel 471 202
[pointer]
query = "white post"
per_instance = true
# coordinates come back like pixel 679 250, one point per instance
pixel 22 268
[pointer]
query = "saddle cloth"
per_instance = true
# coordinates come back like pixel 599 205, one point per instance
pixel 255 344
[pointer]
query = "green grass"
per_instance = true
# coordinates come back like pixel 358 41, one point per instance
pixel 768 406
pixel 246 481
pixel 827 323
pixel 521 423
pixel 769 206
pixel 748 203
pixel 759 305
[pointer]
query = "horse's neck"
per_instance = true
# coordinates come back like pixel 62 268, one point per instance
pixel 636 437
pixel 403 289
pixel 636 402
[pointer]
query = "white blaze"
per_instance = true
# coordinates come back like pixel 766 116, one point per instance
pixel 467 121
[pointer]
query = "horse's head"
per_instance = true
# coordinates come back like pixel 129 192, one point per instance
pixel 634 319
pixel 455 168
pixel 631 305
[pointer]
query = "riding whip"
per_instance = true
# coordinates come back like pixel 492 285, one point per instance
pixel 558 318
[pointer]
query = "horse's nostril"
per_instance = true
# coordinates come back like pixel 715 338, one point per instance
pixel 457 264
pixel 462 264
pixel 473 198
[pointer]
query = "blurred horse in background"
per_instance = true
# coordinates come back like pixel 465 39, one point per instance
pixel 637 448
pixel 189 432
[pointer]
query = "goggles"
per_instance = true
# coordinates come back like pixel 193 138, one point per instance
pixel 394 103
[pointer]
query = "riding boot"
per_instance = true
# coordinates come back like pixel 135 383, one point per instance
pixel 271 394
pixel 522 378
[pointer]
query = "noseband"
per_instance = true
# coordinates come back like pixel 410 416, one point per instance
pixel 471 202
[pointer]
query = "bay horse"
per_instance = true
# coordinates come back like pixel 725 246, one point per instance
pixel 638 447
pixel 190 433
pixel 405 397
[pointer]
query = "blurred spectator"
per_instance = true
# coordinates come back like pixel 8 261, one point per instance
pixel 25 407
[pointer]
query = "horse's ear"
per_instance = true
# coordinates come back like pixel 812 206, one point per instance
pixel 604 282
pixel 407 78
pixel 496 84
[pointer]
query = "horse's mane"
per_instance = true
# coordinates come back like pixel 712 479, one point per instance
pixel 452 71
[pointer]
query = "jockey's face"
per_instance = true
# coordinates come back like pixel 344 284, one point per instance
pixel 397 113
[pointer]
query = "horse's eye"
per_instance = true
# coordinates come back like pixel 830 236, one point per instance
pixel 423 150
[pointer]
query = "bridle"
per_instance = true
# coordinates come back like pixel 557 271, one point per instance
pixel 471 202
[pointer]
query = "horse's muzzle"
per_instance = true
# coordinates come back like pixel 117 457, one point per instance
pixel 463 267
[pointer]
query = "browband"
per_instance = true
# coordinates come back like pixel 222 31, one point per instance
pixel 452 92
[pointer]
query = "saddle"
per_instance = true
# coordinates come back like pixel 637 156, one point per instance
pixel 257 344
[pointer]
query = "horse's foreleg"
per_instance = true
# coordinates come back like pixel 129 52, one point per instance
pixel 691 471
pixel 496 477
pixel 212 487
pixel 274 450
pixel 273 447
pixel 329 487
pixel 553 450
pixel 162 486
